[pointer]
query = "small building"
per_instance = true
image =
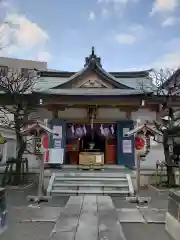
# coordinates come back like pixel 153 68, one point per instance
pixel 8 149
pixel 95 105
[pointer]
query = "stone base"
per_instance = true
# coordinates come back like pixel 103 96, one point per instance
pixel 139 200
pixel 172 226
pixel 38 199
pixel 173 214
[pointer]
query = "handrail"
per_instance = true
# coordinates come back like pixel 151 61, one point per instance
pixel 51 181
pixel 130 184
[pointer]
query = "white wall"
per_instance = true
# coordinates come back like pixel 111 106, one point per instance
pixel 73 113
pixel 102 113
pixel 144 115
pixel 82 113
pixel 110 113
pixel 9 148
pixel 156 153
pixel 41 114
pixel 17 64
pixel 32 160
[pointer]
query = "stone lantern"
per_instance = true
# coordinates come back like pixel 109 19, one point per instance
pixel 38 129
pixel 138 154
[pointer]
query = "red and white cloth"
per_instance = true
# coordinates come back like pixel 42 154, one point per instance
pixel 139 143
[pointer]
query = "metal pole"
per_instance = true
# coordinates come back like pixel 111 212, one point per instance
pixel 137 176
pixel 41 178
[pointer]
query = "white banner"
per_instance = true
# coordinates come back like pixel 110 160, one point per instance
pixel 127 146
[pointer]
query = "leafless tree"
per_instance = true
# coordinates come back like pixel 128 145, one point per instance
pixel 16 104
pixel 164 85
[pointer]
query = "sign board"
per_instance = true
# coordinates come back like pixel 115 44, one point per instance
pixel 56 156
pixel 127 146
pixel 57 143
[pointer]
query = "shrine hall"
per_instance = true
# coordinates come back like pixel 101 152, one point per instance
pixel 92 110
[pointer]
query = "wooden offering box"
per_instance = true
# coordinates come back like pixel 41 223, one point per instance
pixel 91 160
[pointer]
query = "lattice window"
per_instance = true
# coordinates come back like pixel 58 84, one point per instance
pixel 3 71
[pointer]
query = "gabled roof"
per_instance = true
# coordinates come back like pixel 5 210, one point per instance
pixel 31 129
pixel 63 79
pixel 94 63
pixel 124 75
pixel 151 128
pixel 47 81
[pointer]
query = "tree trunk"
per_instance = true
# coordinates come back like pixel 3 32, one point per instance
pixel 21 146
pixel 18 171
pixel 168 159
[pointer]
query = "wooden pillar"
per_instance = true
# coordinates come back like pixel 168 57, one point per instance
pixel 55 113
pixel 128 115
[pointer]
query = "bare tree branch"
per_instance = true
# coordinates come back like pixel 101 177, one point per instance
pixel 165 85
pixel 16 106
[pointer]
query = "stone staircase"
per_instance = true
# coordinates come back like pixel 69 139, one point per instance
pixel 95 183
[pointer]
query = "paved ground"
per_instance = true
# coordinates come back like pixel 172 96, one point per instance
pixel 159 201
pixel 31 223
pixel 140 231
pixel 27 223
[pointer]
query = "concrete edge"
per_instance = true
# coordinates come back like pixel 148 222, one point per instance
pixel 159 190
pixel 130 184
pixel 172 226
pixel 21 188
pixel 51 181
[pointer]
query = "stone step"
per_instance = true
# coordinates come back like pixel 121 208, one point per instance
pixel 91 174
pixel 101 179
pixel 90 192
pixel 95 184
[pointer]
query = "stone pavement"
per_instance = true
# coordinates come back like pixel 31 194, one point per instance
pixel 31 223
pixel 86 217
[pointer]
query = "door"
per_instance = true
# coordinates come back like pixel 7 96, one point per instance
pixel 58 142
pixel 125 145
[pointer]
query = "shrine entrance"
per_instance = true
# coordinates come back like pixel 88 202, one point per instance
pixel 80 138
pixel 95 143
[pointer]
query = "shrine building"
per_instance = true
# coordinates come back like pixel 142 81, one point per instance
pixel 94 105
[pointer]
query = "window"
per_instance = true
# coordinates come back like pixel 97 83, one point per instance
pixel 3 71
pixel 26 72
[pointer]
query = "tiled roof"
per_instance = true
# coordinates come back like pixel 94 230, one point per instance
pixel 96 68
pixel 67 74
pixel 49 82
pixel 151 128
pixel 52 82
pixel 122 80
pixel 92 92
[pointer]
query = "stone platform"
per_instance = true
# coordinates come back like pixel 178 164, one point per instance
pixel 173 214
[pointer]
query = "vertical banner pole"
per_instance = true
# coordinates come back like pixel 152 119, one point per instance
pixel 41 177
pixel 137 199
pixel 138 169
